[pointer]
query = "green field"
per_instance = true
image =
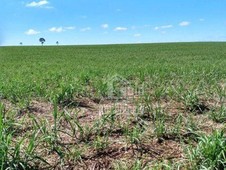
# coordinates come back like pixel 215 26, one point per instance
pixel 140 106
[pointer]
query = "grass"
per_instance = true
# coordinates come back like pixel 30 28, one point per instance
pixel 113 106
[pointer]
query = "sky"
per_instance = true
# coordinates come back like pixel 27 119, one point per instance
pixel 75 22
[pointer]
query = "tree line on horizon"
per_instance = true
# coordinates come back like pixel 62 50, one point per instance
pixel 42 41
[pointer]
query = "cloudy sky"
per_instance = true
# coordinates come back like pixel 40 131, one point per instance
pixel 111 21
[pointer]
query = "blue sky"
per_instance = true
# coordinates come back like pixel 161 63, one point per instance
pixel 111 21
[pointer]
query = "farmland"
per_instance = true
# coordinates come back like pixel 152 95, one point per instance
pixel 138 106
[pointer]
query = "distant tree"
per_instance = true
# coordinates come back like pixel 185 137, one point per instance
pixel 42 40
pixel 21 43
pixel 57 43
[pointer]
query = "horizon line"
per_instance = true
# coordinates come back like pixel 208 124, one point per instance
pixel 96 44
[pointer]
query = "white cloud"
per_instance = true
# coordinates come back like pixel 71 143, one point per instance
pixel 201 19
pixel 121 29
pixel 137 35
pixel 184 23
pixel 32 32
pixel 105 26
pixel 61 29
pixel 85 29
pixel 163 27
pixel 70 28
pixel 55 29
pixel 157 28
pixel 134 27
pixel 37 4
pixel 166 26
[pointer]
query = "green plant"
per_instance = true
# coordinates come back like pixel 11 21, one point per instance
pixel 147 111
pixel 191 100
pixel 160 81
pixel 219 116
pixel 210 152
pixel 100 143
pixel 16 156
pixel 85 132
pixel 191 124
pixel 160 128
pixel 159 123
pixel 75 154
pixel 169 165
pixel 65 96
pixel 178 125
pixel 55 116
pixel 159 93
pixel 136 165
pixel 133 137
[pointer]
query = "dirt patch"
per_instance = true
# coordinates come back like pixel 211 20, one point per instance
pixel 96 135
pixel 8 106
pixel 40 107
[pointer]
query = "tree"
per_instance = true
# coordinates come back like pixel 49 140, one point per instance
pixel 42 40
pixel 57 43
pixel 21 43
